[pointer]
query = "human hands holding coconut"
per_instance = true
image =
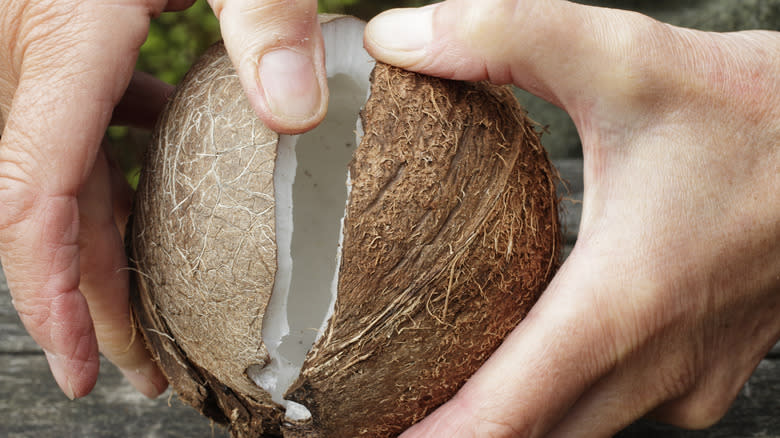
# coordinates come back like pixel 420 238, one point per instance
pixel 64 66
pixel 449 232
pixel 670 297
pixel 666 304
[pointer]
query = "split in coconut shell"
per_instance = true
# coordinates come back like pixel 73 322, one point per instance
pixel 450 235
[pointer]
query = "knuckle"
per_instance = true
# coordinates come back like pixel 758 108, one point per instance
pixel 479 33
pixel 699 409
pixel 633 52
pixel 19 162
pixel 35 315
pixel 479 23
pixel 699 414
pixel 17 197
pixel 55 319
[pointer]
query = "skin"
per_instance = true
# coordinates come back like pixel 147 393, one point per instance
pixel 670 297
pixel 666 304
pixel 65 66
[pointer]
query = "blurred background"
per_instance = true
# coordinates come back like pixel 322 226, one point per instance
pixel 176 39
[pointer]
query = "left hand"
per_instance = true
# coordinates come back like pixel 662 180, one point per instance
pixel 65 65
pixel 670 297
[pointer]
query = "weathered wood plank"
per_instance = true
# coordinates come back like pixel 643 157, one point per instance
pixel 32 406
pixel 755 413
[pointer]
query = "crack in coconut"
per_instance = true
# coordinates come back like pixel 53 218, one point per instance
pixel 311 194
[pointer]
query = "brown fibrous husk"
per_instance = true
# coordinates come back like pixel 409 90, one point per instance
pixel 451 234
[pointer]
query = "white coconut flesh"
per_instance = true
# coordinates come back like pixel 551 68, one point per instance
pixel 311 187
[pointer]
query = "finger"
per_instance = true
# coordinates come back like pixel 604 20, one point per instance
pixel 619 398
pixel 122 195
pixel 61 107
pixel 554 49
pixel 661 379
pixel 39 248
pixel 278 52
pixel 565 343
pixel 700 409
pixel 104 283
pixel 142 102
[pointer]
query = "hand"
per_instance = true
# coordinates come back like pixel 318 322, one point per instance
pixel 64 67
pixel 670 297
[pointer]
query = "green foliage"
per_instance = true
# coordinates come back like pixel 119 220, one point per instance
pixel 335 5
pixel 176 39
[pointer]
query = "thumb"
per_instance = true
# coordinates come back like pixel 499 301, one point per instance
pixel 553 48
pixel 543 367
pixel 277 50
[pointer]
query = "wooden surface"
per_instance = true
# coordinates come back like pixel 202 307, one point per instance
pixel 31 405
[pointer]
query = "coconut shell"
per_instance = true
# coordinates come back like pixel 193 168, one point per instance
pixel 451 234
pixel 204 245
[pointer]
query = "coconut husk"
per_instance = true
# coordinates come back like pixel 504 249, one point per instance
pixel 451 234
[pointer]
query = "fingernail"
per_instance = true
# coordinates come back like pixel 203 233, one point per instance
pixel 70 393
pixel 405 30
pixel 56 366
pixel 150 386
pixel 290 83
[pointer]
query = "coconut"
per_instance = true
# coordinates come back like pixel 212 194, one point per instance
pixel 347 281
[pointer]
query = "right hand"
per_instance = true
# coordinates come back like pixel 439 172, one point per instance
pixel 64 67
pixel 669 299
